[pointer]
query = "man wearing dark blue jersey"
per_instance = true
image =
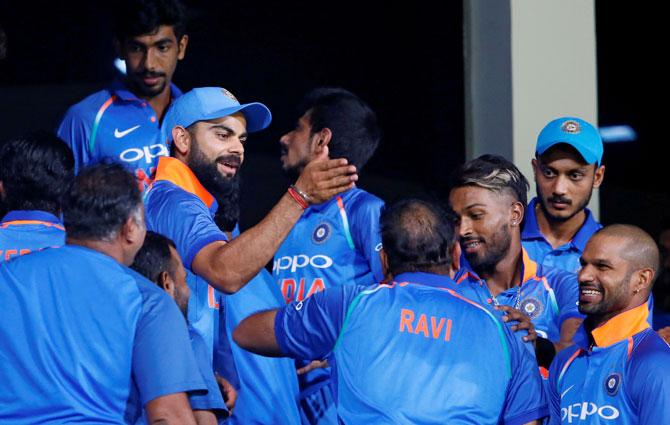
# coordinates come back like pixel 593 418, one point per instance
pixel 617 372
pixel 410 351
pixel 80 328
pixel 123 122
pixel 337 242
pixel 489 196
pixel 209 128
pixel 35 171
pixel 159 262
pixel 567 168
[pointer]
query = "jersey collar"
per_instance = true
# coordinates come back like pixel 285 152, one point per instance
pixel 120 89
pixel 618 328
pixel 176 172
pixel 427 279
pixel 528 270
pixel 531 230
pixel 31 217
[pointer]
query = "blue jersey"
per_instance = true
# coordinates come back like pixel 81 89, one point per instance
pixel 180 208
pixel 78 328
pixel 548 296
pixel 404 353
pixel 334 243
pixel 22 232
pixel 114 123
pixel 621 379
pixel 565 257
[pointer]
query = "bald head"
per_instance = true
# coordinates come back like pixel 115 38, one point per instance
pixel 417 236
pixel 636 247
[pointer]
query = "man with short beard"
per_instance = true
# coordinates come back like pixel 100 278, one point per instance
pixel 123 121
pixel 489 197
pixel 208 130
pixel 567 167
pixel 617 371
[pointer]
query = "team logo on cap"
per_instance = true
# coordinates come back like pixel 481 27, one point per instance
pixel 229 95
pixel 571 127
pixel 532 307
pixel 321 233
pixel 612 384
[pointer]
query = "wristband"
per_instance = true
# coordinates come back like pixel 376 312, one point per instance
pixel 298 196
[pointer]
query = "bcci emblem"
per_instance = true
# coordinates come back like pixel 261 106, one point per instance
pixel 612 384
pixel 571 127
pixel 321 233
pixel 531 307
pixel 229 95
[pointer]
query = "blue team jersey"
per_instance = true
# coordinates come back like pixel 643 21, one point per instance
pixel 547 295
pixel 565 257
pixel 22 232
pixel 404 353
pixel 78 330
pixel 622 378
pixel 178 207
pixel 114 123
pixel 334 243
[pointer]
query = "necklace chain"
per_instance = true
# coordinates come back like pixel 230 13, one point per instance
pixel 517 302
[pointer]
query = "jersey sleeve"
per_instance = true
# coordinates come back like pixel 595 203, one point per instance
pixel 161 343
pixel 566 289
pixel 182 217
pixel 309 329
pixel 649 382
pixel 76 133
pixel 212 399
pixel 525 400
pixel 365 231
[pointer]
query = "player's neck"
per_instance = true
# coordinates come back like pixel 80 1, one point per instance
pixel 558 233
pixel 507 273
pixel 160 102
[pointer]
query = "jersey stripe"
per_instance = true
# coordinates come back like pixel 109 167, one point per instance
pixel 566 366
pixel 351 308
pixel 345 222
pixel 28 222
pixel 98 118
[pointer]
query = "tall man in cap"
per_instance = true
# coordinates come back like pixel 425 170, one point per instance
pixel 567 167
pixel 404 352
pixel 617 371
pixel 208 130
pixel 123 121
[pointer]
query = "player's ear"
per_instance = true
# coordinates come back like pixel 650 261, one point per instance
pixel 165 282
pixel 181 141
pixel 181 45
pixel 599 176
pixel 516 212
pixel 455 253
pixel 385 264
pixel 322 140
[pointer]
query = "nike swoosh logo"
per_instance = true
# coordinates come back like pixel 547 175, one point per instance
pixel 119 134
pixel 566 391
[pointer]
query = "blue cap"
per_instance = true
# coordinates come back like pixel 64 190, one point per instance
pixel 575 132
pixel 208 103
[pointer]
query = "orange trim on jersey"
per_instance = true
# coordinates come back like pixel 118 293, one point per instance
pixel 622 326
pixel 27 222
pixel 175 171
pixel 630 346
pixel 529 267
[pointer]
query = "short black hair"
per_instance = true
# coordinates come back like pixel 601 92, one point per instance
pixel 138 17
pixel 353 123
pixel 495 173
pixel 101 200
pixel 154 257
pixel 35 171
pixel 417 235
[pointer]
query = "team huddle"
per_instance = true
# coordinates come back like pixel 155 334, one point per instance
pixel 130 295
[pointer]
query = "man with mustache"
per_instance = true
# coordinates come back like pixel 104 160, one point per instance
pixel 617 371
pixel 567 167
pixel 123 122
pixel 209 129
pixel 489 197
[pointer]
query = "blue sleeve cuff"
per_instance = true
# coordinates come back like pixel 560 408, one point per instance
pixel 200 244
pixel 525 417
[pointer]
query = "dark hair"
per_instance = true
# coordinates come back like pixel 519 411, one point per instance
pixel 139 17
pixel 417 235
pixel 102 198
pixel 495 173
pixel 354 125
pixel 35 171
pixel 154 257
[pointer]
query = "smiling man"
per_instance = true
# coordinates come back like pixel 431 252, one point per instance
pixel 123 122
pixel 567 167
pixel 617 370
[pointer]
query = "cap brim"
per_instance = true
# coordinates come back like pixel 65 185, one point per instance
pixel 258 116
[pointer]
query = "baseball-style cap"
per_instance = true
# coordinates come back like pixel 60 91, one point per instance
pixel 575 132
pixel 208 103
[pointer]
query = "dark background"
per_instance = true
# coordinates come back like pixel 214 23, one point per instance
pixel 406 61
